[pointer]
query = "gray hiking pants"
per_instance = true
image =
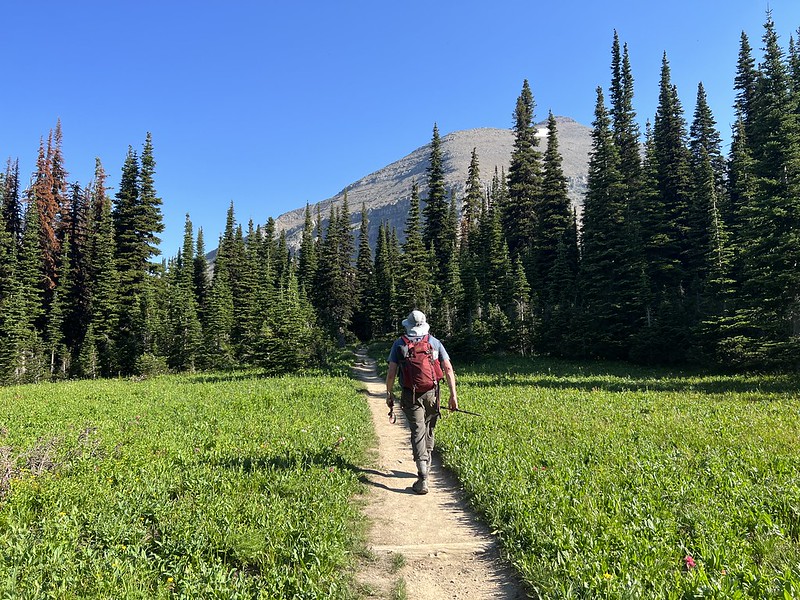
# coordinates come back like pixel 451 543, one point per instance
pixel 422 413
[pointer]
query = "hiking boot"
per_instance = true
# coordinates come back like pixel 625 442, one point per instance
pixel 420 486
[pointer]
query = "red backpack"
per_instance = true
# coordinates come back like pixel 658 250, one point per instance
pixel 419 366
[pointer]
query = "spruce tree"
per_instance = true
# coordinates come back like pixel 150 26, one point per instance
pixel 307 261
pixel 473 198
pixel 435 210
pixel 414 276
pixel 524 177
pixel 100 348
pixel 770 253
pixel 602 244
pixel 553 217
pixel 384 293
pixel 362 325
pixel 12 208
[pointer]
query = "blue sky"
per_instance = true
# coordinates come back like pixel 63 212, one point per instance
pixel 275 104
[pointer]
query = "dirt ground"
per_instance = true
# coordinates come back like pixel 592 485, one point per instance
pixel 422 547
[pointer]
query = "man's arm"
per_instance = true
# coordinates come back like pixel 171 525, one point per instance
pixel 390 376
pixel 450 377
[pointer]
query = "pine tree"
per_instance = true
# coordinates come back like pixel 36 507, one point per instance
pixel 185 336
pixel 362 325
pixel 307 262
pixel 384 294
pixel 435 210
pixel 60 192
pixel 553 217
pixel 200 277
pixel 12 208
pixel 707 167
pixel 414 276
pixel 601 243
pixel 524 177
pixel 665 228
pixel 745 83
pixel 770 253
pixel 41 194
pixel 623 120
pixel 473 198
pixel 99 345
pixel 335 287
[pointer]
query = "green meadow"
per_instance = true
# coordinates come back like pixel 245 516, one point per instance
pixel 600 480
pixel 181 487
pixel 617 482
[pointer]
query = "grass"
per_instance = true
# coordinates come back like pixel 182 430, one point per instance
pixel 612 481
pixel 228 486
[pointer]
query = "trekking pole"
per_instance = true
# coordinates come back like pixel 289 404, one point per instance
pixel 466 412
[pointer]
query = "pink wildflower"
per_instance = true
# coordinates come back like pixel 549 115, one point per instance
pixel 690 564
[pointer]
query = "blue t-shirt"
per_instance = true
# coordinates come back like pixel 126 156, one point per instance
pixel 438 347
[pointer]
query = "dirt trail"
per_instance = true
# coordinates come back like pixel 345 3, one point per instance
pixel 431 546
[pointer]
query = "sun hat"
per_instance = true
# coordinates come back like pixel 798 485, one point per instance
pixel 416 324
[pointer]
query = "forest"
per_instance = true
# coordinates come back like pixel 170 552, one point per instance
pixel 680 255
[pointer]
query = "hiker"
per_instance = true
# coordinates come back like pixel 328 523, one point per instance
pixel 421 361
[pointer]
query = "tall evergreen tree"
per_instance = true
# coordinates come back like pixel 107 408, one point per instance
pixel 524 177
pixel 384 295
pixel 435 209
pixel 307 261
pixel 602 254
pixel 770 253
pixel 553 208
pixel 12 208
pixel 362 325
pixel 415 290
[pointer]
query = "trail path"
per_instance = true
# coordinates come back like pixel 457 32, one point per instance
pixel 431 545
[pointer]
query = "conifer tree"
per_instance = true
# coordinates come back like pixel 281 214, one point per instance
pixel 335 287
pixel 473 198
pixel 100 348
pixel 12 208
pixel 707 168
pixel 744 84
pixel 362 326
pixel 414 276
pixel 553 217
pixel 60 192
pixel 665 226
pixel 41 194
pixel 384 295
pixel 524 177
pixel 770 253
pixel 307 261
pixel 601 242
pixel 435 210
pixel 623 120
pixel 200 277
pixel 184 325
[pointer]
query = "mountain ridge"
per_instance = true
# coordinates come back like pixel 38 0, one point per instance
pixel 386 192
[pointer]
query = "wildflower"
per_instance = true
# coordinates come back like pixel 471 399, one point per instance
pixel 607 576
pixel 690 564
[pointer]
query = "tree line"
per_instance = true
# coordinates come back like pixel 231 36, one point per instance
pixel 680 254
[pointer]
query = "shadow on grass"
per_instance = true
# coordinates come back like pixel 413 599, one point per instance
pixel 619 377
pixel 301 461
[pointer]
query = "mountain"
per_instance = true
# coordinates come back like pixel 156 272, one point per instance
pixel 386 192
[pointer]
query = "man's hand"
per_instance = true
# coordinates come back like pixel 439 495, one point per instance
pixel 389 399
pixel 453 402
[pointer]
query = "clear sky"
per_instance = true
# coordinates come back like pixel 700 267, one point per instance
pixel 275 104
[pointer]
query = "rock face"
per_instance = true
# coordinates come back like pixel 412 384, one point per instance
pixel 386 192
